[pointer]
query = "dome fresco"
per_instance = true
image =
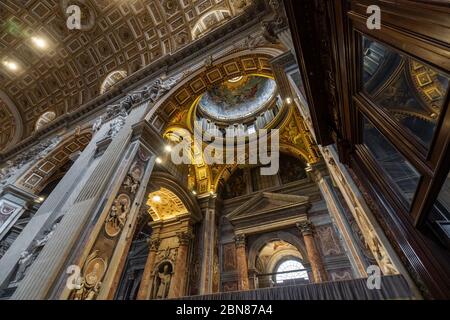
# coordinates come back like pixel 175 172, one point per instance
pixel 238 98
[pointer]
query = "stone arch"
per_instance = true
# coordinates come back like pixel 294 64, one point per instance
pixel 263 239
pixel 182 95
pixel 178 102
pixel 11 124
pixel 40 174
pixel 227 171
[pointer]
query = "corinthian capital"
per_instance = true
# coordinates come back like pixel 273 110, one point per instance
pixel 305 227
pixel 240 240
pixel 184 237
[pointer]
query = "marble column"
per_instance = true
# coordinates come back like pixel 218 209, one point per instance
pixel 306 228
pixel 177 287
pixel 241 261
pixel 101 186
pixel 145 287
pixel 208 245
pixel 319 173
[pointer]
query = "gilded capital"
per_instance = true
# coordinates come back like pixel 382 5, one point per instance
pixel 184 238
pixel 305 227
pixel 153 244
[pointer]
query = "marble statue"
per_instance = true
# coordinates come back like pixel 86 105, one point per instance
pixel 163 282
pixel 26 259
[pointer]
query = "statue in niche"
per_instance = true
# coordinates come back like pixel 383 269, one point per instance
pixel 163 278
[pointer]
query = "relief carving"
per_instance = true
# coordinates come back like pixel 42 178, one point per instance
pixel 328 242
pixel 96 265
pixel 117 215
pixel 89 283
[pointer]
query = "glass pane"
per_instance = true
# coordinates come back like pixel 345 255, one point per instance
pixel 440 214
pixel 411 92
pixel 444 197
pixel 394 165
pixel 283 271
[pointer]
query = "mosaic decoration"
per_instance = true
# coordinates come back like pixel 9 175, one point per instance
pixel 230 103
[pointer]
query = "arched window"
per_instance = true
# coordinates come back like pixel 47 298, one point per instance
pixel 111 79
pixel 209 21
pixel 45 119
pixel 290 265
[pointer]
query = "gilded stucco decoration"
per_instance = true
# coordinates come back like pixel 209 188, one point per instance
pixel 164 204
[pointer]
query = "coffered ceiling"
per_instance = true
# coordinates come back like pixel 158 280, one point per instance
pixel 121 35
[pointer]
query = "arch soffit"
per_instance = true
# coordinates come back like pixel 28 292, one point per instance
pixel 187 90
pixel 164 180
pixel 264 239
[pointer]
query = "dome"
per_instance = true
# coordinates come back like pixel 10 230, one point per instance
pixel 238 98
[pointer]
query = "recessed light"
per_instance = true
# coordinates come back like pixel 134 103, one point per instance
pixel 158 160
pixel 288 100
pixel 40 200
pixel 194 192
pixel 156 199
pixel 39 42
pixel 11 65
pixel 168 148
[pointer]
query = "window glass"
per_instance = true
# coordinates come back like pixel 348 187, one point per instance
pixel 411 92
pixel 291 265
pixel 398 170
pixel 440 215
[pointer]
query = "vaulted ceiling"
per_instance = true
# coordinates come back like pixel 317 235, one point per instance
pixel 121 35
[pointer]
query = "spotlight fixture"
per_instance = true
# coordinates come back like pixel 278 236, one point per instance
pixel 194 192
pixel 168 148
pixel 288 100
pixel 158 160
pixel 39 42
pixel 39 200
pixel 156 199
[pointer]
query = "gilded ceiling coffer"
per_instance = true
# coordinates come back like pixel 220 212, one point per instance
pixel 306 229
pixel 241 261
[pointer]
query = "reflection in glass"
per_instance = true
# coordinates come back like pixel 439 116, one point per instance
pixel 394 165
pixel 411 92
pixel 440 214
